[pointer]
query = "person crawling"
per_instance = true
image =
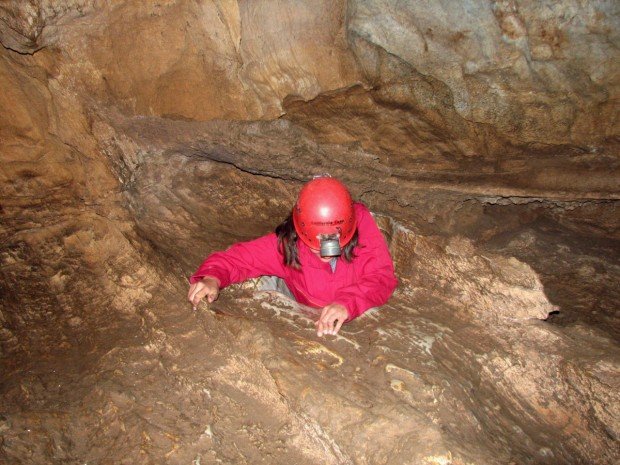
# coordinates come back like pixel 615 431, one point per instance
pixel 341 265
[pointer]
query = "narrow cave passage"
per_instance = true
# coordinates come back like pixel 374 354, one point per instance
pixel 138 137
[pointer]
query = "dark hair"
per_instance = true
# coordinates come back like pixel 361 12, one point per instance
pixel 287 244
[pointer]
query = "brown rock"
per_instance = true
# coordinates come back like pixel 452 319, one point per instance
pixel 138 136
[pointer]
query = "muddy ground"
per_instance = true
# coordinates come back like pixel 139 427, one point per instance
pixel 462 366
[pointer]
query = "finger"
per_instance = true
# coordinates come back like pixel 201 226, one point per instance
pixel 329 317
pixel 323 313
pixel 339 324
pixel 325 322
pixel 330 324
pixel 212 296
pixel 201 293
pixel 196 289
pixel 327 311
pixel 191 290
pixel 198 296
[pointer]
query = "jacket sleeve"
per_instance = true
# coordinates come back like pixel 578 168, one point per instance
pixel 242 261
pixel 375 279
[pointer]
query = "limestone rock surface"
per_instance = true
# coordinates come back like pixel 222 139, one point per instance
pixel 138 136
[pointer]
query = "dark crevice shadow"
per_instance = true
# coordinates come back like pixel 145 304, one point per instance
pixel 580 273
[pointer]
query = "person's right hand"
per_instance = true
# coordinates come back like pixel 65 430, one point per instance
pixel 207 286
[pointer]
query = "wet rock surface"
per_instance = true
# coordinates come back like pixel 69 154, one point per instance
pixel 137 137
pixel 246 380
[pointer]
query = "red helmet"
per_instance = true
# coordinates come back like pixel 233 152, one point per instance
pixel 324 207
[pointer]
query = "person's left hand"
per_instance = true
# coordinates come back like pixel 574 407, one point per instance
pixel 331 319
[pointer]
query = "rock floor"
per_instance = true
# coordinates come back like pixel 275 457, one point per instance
pixel 245 380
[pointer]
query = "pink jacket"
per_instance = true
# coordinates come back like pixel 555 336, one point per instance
pixel 367 281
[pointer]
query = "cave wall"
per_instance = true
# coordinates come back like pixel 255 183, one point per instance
pixel 535 73
pixel 482 102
